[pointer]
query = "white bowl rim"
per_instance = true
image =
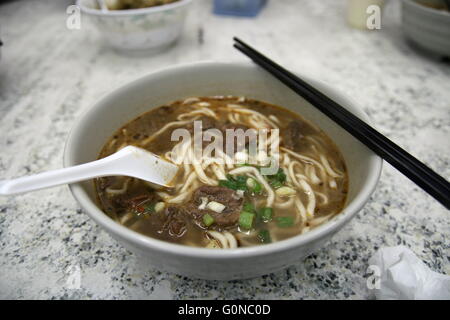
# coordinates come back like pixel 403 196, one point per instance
pixel 141 240
pixel 129 12
pixel 414 3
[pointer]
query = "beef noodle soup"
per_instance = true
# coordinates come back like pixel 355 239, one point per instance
pixel 233 203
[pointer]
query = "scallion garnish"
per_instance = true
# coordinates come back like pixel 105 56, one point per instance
pixel 277 180
pixel 208 219
pixel 265 214
pixel 253 185
pixel 284 222
pixel 150 208
pixel 264 236
pixel 234 183
pixel 249 207
pixel 246 220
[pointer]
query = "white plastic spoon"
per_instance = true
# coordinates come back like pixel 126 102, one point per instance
pixel 129 161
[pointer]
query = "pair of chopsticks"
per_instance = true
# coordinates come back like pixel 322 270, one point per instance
pixel 419 173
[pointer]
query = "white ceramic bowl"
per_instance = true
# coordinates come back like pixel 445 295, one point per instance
pixel 93 129
pixel 147 29
pixel 427 27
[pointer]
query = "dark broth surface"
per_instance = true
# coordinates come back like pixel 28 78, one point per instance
pixel 132 202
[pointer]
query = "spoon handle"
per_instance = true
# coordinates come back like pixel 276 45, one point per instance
pixel 129 161
pixel 52 178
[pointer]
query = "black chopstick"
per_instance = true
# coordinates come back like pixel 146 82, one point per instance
pixel 418 172
pixel 434 184
pixel 395 150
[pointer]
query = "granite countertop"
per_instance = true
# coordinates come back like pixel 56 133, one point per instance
pixel 50 75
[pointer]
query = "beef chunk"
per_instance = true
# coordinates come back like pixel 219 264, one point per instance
pixel 130 200
pixel 294 135
pixel 233 205
pixel 174 221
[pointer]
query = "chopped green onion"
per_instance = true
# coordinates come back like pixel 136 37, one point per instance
pixel 276 184
pixel 249 207
pixel 208 220
pixel 277 180
pixel 281 176
pixel 266 214
pixel 242 165
pixel 144 210
pixel 228 184
pixel 241 182
pixel 284 222
pixel 150 208
pixel 253 185
pixel 246 220
pixel 285 191
pixel 264 236
pixel 234 183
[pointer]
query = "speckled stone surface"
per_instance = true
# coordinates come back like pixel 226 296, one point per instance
pixel 50 75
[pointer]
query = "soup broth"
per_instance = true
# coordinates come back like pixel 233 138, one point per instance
pixel 231 204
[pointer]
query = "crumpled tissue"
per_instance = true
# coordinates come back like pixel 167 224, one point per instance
pixel 402 275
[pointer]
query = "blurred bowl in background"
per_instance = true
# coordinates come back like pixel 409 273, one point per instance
pixel 426 25
pixel 147 29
